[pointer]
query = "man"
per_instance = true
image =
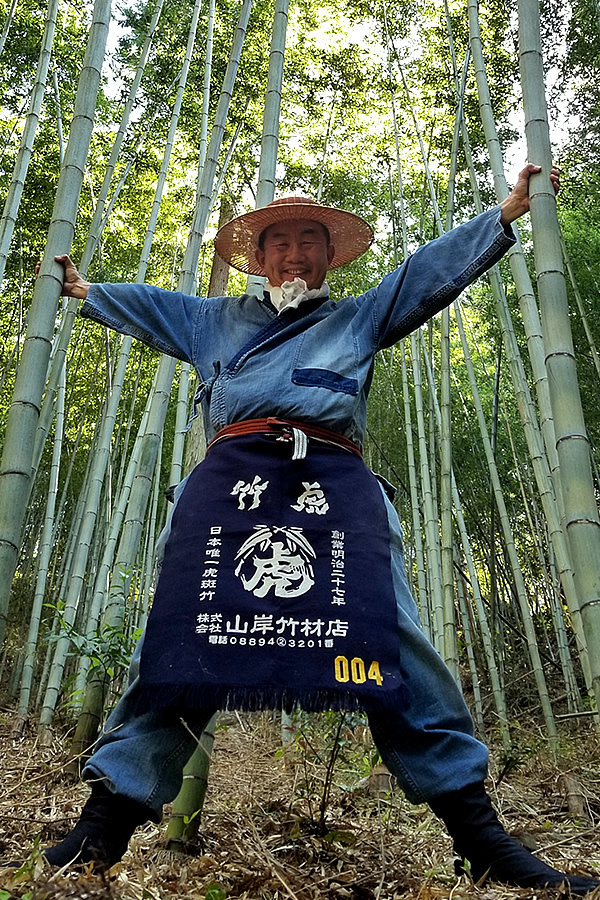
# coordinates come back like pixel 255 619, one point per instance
pixel 283 577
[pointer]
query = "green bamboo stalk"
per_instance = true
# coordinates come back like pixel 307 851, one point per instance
pixel 59 124
pixel 446 529
pixel 518 264
pixel 132 528
pixel 102 449
pixel 99 220
pixel 187 806
pixel 208 58
pixel 486 633
pixel 580 308
pixel 185 368
pixel 415 502
pixel 95 228
pixel 540 437
pixel 17 181
pixel 422 595
pixel 429 516
pixel 147 568
pixel 7 24
pixel 189 802
pixel 45 551
pixel 562 639
pixel 204 193
pixel 265 190
pixel 104 567
pixel 581 512
pixel 22 419
pixel 469 642
pixel 443 602
pixel 547 590
pixel 521 590
pixel 131 404
pixel 100 457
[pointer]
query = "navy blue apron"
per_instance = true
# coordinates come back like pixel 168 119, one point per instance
pixel 275 588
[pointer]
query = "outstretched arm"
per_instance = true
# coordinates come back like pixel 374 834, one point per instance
pixel 517 202
pixel 73 285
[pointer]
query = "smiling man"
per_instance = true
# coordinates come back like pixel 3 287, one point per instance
pixel 291 250
pixel 283 578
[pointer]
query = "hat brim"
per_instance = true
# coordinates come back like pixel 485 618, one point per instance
pixel 237 241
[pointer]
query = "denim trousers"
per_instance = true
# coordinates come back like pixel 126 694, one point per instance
pixel 426 742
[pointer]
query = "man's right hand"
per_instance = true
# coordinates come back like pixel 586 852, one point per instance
pixel 73 284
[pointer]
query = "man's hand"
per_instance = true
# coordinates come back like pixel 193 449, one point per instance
pixel 517 202
pixel 73 285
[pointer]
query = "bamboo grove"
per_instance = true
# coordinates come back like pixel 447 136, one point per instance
pixel 127 136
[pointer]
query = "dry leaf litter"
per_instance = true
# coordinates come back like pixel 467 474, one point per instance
pixel 264 837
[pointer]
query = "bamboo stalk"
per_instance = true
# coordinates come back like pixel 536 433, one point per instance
pixel 522 597
pixel 7 24
pixel 17 181
pixel 486 633
pixel 149 440
pixel 430 519
pixel 581 512
pixel 265 190
pixel 22 419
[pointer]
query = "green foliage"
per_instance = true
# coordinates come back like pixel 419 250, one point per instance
pixel 215 892
pixel 325 749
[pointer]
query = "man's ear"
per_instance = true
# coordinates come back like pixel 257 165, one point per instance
pixel 330 252
pixel 259 255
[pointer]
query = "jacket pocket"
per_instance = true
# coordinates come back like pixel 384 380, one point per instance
pixel 325 378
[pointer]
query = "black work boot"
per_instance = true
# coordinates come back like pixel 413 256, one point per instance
pixel 480 839
pixel 102 833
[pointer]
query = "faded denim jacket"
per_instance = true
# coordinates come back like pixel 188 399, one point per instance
pixel 310 364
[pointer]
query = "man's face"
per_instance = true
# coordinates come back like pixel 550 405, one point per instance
pixel 296 249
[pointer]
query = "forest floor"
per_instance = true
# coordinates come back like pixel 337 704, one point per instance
pixel 261 837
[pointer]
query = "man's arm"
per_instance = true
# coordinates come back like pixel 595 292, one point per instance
pixel 517 202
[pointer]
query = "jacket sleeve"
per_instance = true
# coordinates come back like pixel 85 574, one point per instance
pixel 432 277
pixel 165 320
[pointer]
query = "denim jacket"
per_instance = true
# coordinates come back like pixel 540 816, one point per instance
pixel 311 364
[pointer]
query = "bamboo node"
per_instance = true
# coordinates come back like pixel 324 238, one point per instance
pixel 587 603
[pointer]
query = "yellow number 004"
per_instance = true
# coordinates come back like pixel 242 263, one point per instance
pixel 356 671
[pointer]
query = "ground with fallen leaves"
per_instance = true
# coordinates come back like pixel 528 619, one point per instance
pixel 267 834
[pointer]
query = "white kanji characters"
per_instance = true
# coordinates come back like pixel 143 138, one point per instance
pixel 237 627
pixel 208 623
pixel 262 624
pixel 337 628
pixel 216 621
pixel 252 489
pixel 277 558
pixel 312 499
pixel 309 627
pixel 287 623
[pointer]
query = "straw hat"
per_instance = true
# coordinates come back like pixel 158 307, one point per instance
pixel 237 241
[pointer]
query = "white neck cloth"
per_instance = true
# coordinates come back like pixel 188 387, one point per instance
pixel 292 293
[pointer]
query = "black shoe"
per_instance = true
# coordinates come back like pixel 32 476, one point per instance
pixel 487 851
pixel 102 833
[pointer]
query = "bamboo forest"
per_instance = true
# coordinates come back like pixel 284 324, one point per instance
pixel 130 134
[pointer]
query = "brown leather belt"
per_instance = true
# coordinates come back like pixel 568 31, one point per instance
pixel 286 427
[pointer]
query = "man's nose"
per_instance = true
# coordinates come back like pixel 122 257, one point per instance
pixel 295 250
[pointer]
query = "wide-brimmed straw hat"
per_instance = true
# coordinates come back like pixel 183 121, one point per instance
pixel 237 241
